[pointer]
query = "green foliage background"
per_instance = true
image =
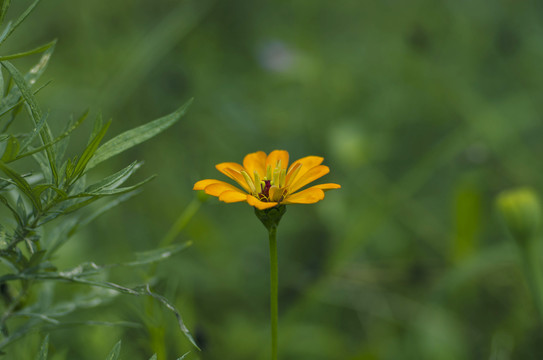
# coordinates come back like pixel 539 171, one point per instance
pixel 423 110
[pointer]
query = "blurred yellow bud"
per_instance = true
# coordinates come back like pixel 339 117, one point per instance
pixel 522 212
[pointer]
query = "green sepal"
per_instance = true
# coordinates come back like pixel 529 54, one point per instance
pixel 271 217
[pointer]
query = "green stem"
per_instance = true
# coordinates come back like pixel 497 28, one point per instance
pixel 274 281
pixel 533 273
pixel 181 222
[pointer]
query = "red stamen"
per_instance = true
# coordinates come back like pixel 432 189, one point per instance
pixel 265 194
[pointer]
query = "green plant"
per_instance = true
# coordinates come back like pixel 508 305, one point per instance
pixel 48 199
pixel 113 354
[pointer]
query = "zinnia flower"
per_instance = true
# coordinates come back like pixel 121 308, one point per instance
pixel 268 181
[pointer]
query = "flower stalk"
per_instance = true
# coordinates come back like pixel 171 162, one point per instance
pixel 274 291
pixel 521 211
pixel 271 218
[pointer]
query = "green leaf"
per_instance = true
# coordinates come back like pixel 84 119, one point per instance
pixel 1 84
pixel 98 124
pixel 115 191
pixel 172 308
pixel 153 357
pixel 29 52
pixel 70 127
pixel 35 113
pixel 114 353
pixel 38 189
pixel 184 356
pixel 74 207
pixel 37 70
pixel 21 183
pixel 6 31
pixel 151 256
pixel 4 6
pixel 88 153
pixel 73 277
pixel 21 209
pixel 136 136
pixel 39 126
pixel 12 209
pixel 44 349
pixel 41 159
pixel 20 20
pixel 36 258
pixel 115 180
pixel 55 141
pixel 11 150
pixel 13 101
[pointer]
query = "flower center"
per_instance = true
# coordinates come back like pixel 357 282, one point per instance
pixel 273 187
pixel 265 187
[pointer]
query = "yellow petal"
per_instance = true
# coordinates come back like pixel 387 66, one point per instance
pixel 276 193
pixel 292 173
pixel 231 165
pixel 255 161
pixel 233 171
pixel 261 205
pixel 307 163
pixel 276 156
pixel 307 196
pixel 216 189
pixel 328 186
pixel 232 196
pixel 200 185
pixel 309 176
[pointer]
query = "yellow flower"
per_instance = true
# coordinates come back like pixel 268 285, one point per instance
pixel 268 181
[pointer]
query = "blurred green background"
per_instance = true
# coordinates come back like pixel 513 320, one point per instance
pixel 424 110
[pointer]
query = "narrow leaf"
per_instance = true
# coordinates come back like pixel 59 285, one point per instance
pixel 39 126
pixel 20 20
pixel 65 134
pixel 172 308
pixel 89 152
pixel 35 113
pixel 13 100
pixel 11 150
pixel 98 124
pixel 116 179
pixel 151 256
pixel 44 349
pixel 21 183
pixel 70 126
pixel 184 356
pixel 12 209
pixel 41 159
pixel 114 354
pixel 29 52
pixel 116 191
pixel 136 136
pixel 6 31
pixel 1 84
pixel 4 6
pixel 153 357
